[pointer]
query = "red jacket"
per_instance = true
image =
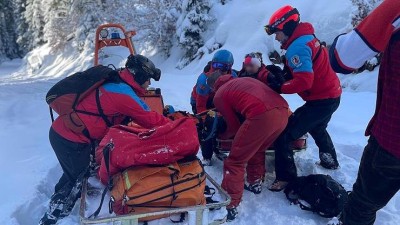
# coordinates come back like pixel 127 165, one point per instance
pixel 245 97
pixel 313 77
pixel 118 102
pixel 379 31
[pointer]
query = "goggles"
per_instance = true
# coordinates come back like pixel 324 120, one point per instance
pixel 271 29
pixel 221 66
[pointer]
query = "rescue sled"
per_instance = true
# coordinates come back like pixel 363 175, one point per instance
pixel 194 215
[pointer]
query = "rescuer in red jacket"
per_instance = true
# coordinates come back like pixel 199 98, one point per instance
pixel 315 82
pixel 255 115
pixel 378 177
pixel 119 101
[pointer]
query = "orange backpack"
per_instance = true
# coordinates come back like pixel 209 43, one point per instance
pixel 148 188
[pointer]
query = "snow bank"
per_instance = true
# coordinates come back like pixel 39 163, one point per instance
pixel 29 168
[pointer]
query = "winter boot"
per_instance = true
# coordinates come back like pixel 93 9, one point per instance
pixel 221 156
pixel 232 214
pixel 60 205
pixel 206 162
pixel 256 187
pixel 328 161
pixel 53 214
pixel 278 185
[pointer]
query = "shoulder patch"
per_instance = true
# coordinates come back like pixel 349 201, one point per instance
pixel 296 61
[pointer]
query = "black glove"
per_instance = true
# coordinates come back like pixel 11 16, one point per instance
pixel 275 78
pixel 274 69
pixel 287 74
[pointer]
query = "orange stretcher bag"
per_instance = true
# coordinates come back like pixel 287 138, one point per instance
pixel 147 189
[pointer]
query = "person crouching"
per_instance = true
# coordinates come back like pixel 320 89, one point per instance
pixel 255 115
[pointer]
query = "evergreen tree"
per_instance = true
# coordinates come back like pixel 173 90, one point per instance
pixel 154 21
pixel 58 23
pixel 8 36
pixel 34 17
pixel 21 26
pixel 190 26
pixel 87 16
pixel 362 9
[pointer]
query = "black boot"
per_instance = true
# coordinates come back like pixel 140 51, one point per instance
pixel 256 187
pixel 60 206
pixel 328 161
pixel 232 214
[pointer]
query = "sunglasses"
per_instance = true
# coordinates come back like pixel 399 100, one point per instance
pixel 221 66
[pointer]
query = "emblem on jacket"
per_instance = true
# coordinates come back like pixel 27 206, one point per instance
pixel 296 61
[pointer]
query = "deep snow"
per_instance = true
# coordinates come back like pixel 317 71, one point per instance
pixel 29 168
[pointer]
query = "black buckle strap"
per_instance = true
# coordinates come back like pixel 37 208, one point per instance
pixel 101 112
pixel 106 154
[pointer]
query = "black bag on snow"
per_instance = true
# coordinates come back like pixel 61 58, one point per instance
pixel 66 94
pixel 318 193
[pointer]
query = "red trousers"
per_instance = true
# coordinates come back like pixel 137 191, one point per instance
pixel 247 154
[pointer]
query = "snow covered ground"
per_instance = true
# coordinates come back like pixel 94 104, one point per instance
pixel 29 168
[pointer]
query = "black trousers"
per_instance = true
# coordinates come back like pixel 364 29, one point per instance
pixel 313 117
pixel 74 159
pixel 377 182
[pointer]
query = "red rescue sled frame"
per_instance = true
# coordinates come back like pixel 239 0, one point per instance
pixel 104 40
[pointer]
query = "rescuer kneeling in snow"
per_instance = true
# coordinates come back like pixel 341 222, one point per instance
pixel 255 115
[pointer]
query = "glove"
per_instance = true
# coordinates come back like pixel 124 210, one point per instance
pixel 168 109
pixel 287 74
pixel 274 69
pixel 275 78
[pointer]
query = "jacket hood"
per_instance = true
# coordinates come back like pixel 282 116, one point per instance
pixel 128 77
pixel 301 30
pixel 222 80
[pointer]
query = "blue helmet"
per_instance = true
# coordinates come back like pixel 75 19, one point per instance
pixel 223 56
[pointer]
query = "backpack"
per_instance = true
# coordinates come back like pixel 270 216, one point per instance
pixel 66 94
pixel 318 193
pixel 137 146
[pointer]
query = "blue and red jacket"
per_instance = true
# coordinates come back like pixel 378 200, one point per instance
pixel 313 77
pixel 202 92
pixel 118 101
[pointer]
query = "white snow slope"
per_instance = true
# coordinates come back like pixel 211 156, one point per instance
pixel 29 168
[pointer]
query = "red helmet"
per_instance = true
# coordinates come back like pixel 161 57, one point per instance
pixel 281 17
